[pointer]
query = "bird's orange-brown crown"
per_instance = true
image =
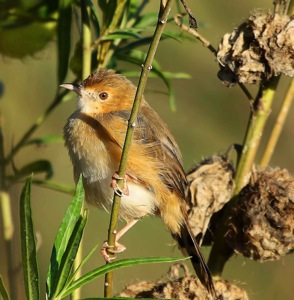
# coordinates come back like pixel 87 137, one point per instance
pixel 106 91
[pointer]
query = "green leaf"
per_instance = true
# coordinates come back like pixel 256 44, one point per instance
pixel 137 43
pixel 47 139
pixel 114 266
pixel 64 274
pixel 170 89
pixel 170 75
pixel 68 225
pixel 3 291
pixel 28 245
pixel 82 263
pixel 38 166
pixel 63 38
pixel 121 34
pixel 55 186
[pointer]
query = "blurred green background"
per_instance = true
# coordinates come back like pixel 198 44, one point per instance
pixel 209 118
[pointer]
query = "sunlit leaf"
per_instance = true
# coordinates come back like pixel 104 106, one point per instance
pixel 67 261
pixel 170 75
pixel 70 219
pixel 47 139
pixel 28 244
pixel 83 262
pixel 114 266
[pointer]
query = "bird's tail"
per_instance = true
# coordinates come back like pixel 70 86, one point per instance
pixel 188 242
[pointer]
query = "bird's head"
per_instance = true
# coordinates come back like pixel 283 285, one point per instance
pixel 102 92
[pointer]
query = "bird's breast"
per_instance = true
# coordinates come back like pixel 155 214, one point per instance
pixel 96 156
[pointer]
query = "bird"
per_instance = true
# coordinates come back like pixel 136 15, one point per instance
pixel 155 178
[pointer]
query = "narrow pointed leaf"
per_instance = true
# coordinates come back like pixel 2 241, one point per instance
pixel 38 166
pixel 64 274
pixel 28 244
pixel 65 231
pixel 82 264
pixel 47 139
pixel 114 266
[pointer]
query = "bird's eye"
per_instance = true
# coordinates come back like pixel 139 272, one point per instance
pixel 103 96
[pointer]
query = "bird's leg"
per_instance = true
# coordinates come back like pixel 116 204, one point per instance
pixel 120 192
pixel 118 247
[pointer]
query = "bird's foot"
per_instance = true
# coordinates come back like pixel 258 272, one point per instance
pixel 119 191
pixel 118 248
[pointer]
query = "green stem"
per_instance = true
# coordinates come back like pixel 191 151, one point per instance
pixel 221 252
pixel 146 68
pixel 251 144
pixel 280 122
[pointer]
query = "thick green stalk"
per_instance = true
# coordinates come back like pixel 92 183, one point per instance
pixel 146 68
pixel 221 252
pixel 259 117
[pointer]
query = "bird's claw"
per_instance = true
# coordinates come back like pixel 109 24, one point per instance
pixel 118 191
pixel 118 248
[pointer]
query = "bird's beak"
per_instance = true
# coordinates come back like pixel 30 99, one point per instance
pixel 72 87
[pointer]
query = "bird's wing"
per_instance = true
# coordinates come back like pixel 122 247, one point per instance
pixel 153 133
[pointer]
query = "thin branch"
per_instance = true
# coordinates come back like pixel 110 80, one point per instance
pixel 276 132
pixel 196 34
pixel 146 68
pixel 207 44
pixel 192 20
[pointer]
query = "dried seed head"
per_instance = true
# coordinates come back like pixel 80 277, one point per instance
pixel 210 188
pixel 261 47
pixel 184 288
pixel 262 223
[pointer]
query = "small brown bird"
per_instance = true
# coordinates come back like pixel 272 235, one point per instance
pixel 94 136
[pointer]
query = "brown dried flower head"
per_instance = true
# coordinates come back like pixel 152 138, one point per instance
pixel 261 47
pixel 210 188
pixel 262 223
pixel 187 287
